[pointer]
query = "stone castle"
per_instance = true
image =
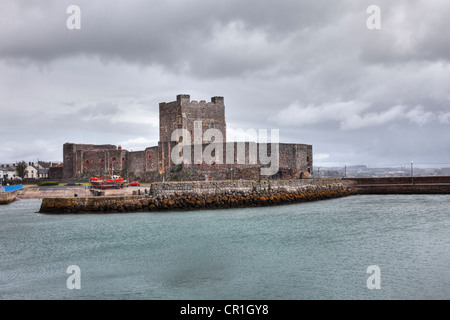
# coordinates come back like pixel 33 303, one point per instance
pixel 155 163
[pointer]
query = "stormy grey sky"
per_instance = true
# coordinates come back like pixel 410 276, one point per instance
pixel 311 69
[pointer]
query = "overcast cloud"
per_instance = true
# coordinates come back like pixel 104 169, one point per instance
pixel 309 68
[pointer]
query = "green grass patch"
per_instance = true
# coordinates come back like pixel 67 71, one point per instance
pixel 48 183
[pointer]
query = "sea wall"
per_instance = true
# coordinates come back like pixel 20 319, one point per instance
pixel 401 185
pixel 403 189
pixel 9 193
pixel 204 195
pixel 402 180
pixel 8 197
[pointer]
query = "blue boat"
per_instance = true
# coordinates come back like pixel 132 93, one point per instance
pixel 8 194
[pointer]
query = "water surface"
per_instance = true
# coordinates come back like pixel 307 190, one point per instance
pixel 317 250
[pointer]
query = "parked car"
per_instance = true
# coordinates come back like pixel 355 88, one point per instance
pixel 134 184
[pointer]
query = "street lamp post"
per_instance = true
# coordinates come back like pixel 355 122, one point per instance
pixel 412 172
pixel 231 174
pixel 345 171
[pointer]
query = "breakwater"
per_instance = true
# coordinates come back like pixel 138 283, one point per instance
pixel 401 185
pixel 8 197
pixel 8 194
pixel 171 196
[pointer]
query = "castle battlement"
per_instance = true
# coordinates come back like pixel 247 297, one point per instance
pixel 186 99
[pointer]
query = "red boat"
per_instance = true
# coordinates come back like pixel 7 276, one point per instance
pixel 107 182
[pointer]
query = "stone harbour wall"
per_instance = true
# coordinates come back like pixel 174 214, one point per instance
pixel 172 196
pixel 401 185
pixel 8 197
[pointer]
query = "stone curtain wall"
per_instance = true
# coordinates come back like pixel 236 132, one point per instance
pixel 72 157
pixel 135 164
pixel 68 160
pixel 203 195
pixel 164 156
pixel 151 164
pixel 151 159
pixel 55 173
pixel 295 162
pixel 98 162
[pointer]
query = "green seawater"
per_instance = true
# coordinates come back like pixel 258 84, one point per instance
pixel 317 250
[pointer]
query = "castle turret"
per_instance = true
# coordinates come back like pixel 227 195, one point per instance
pixel 183 98
pixel 217 100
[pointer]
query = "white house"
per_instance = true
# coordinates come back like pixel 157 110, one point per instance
pixel 42 171
pixel 32 173
pixel 8 171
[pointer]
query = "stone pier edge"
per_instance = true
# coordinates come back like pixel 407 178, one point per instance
pixel 186 196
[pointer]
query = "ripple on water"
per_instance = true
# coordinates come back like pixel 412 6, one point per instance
pixel 317 250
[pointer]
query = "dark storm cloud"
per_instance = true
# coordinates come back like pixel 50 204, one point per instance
pixel 310 68
pixel 207 38
pixel 412 31
pixel 225 38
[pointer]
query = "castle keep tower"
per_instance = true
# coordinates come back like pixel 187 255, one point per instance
pixel 186 114
pixel 189 115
